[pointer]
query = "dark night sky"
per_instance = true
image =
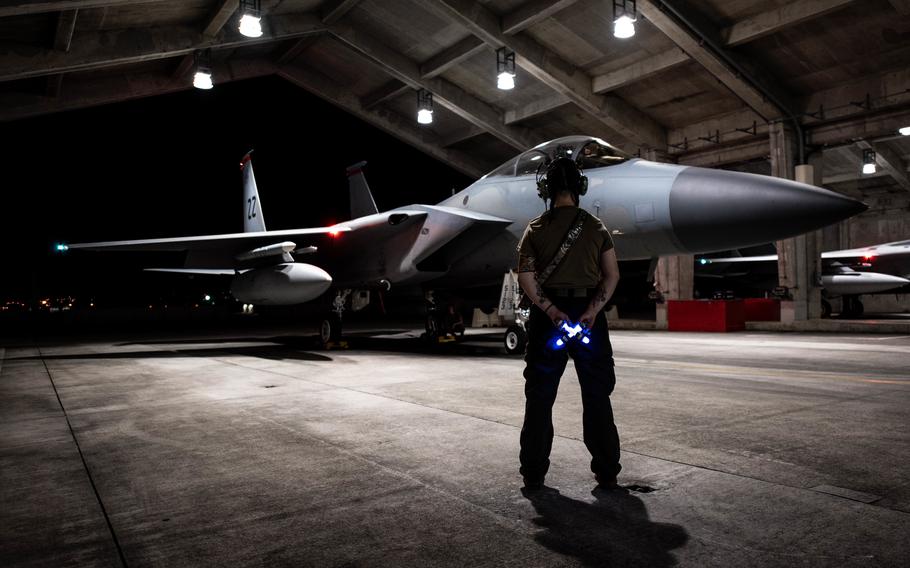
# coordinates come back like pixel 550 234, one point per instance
pixel 168 166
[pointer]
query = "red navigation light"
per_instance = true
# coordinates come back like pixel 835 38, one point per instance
pixel 334 233
pixel 868 257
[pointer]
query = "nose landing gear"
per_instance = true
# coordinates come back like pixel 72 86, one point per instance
pixel 515 339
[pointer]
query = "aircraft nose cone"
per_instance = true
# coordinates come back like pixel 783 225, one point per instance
pixel 715 210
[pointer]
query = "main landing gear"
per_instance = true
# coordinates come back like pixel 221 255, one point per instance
pixel 853 308
pixel 826 309
pixel 444 323
pixel 330 327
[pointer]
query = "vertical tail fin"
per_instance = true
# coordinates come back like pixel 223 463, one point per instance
pixel 362 203
pixel 253 220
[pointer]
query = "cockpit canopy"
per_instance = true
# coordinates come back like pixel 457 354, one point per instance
pixel 588 152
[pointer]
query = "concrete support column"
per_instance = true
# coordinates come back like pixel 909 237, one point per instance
pixel 674 279
pixel 798 264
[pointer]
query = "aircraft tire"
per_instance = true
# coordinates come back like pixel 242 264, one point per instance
pixel 515 340
pixel 853 308
pixel 330 329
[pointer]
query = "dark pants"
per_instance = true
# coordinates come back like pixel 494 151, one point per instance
pixel 545 365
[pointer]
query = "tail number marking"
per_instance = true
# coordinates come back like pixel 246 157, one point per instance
pixel 251 203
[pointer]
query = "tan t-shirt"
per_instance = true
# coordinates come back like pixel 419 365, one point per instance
pixel 543 237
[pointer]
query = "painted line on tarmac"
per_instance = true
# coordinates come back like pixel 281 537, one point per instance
pixel 767 372
pixel 889 337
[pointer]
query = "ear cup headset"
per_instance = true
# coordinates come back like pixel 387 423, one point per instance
pixel 569 174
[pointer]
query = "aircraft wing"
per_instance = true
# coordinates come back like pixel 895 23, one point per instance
pixel 228 240
pixel 736 259
pixel 894 249
pixel 399 245
pixel 221 252
pixel 195 271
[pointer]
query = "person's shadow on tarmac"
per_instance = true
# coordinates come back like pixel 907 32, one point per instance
pixel 614 531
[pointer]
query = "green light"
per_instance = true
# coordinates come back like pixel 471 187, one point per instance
pixel 60 247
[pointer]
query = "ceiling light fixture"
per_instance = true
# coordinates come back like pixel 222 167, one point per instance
pixel 203 77
pixel 868 161
pixel 505 69
pixel 624 18
pixel 250 18
pixel 424 106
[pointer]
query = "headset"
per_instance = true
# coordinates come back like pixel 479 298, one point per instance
pixel 547 169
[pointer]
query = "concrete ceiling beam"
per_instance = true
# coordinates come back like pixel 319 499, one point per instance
pixel 102 90
pixel 24 7
pixel 445 93
pixel 868 126
pixel 889 162
pixel 333 10
pixel 638 70
pixel 448 58
pixel 214 24
pixel 297 49
pixel 220 17
pixel 405 129
pixel 531 13
pixel 777 19
pixel 656 13
pixel 470 131
pixel 119 47
pixel 852 176
pixel 389 91
pixel 66 25
pixel 828 108
pixel 558 74
pixel 536 108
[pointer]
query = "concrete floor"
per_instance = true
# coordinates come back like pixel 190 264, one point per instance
pixel 749 449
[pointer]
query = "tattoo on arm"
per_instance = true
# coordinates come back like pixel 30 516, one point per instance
pixel 541 297
pixel 526 264
pixel 601 294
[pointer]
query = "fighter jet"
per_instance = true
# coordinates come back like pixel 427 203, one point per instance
pixel 653 209
pixel 845 273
